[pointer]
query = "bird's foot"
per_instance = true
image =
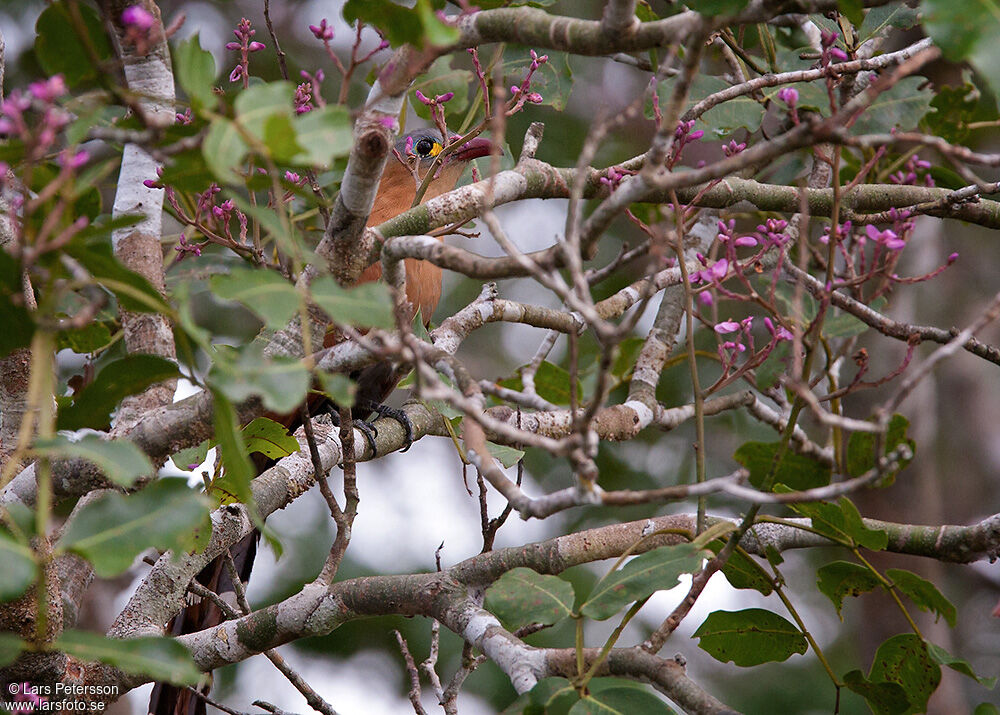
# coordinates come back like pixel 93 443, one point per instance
pixel 368 430
pixel 393 413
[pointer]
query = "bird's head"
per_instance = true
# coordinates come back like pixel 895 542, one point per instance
pixel 420 148
pixel 412 158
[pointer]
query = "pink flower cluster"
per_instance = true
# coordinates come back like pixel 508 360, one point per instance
pixel 245 46
pixel 910 176
pixel 303 98
pixel 741 339
pixel 828 42
pixel 17 121
pixel 520 92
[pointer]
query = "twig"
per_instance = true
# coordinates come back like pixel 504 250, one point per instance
pixel 411 669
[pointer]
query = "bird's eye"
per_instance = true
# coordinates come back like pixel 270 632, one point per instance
pixel 424 147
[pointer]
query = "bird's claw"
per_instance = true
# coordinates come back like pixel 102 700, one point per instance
pixel 392 413
pixel 367 429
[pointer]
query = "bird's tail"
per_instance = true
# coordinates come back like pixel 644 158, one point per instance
pixel 203 613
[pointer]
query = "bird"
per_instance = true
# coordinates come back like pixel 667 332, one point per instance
pixel 412 158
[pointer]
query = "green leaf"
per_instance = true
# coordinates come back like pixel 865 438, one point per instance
pixel 861 446
pixel 656 570
pixel 279 138
pixel 134 293
pixel 711 8
pixel 802 309
pixel 17 564
pixel 196 455
pixel 18 326
pixel 551 383
pixel 507 456
pixel 10 647
pixel 234 484
pixel 436 33
pixel 115 528
pixel 266 293
pixel 943 657
pixel 401 25
pixel 843 523
pixel 843 325
pixel 967 30
pixel 880 19
pixel 742 571
pixel 365 306
pixel 256 105
pixel 195 72
pixel 158 657
pixel 189 170
pixel 339 388
pixel 954 108
pixel 842 578
pixel 493 4
pixel 281 382
pixel 84 340
pixel 223 150
pixel 612 701
pixel 282 233
pixel 92 406
pixel 904 659
pixel 853 10
pixel 269 438
pixel 986 709
pixel 882 698
pixel 900 107
pixel 553 79
pixel 749 637
pixel 325 133
pixel 923 593
pixel 120 461
pixel 59 48
pixel 522 596
pixel 440 78
pixel 722 119
pixel 796 471
pixel 550 696
pixel 774 366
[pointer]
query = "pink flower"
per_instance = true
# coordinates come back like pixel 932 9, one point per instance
pixel 727 326
pixel 732 148
pixel 303 98
pixel 73 161
pixel 719 269
pixel 887 238
pixel 323 31
pixel 138 17
pixel 48 90
pixel 789 96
